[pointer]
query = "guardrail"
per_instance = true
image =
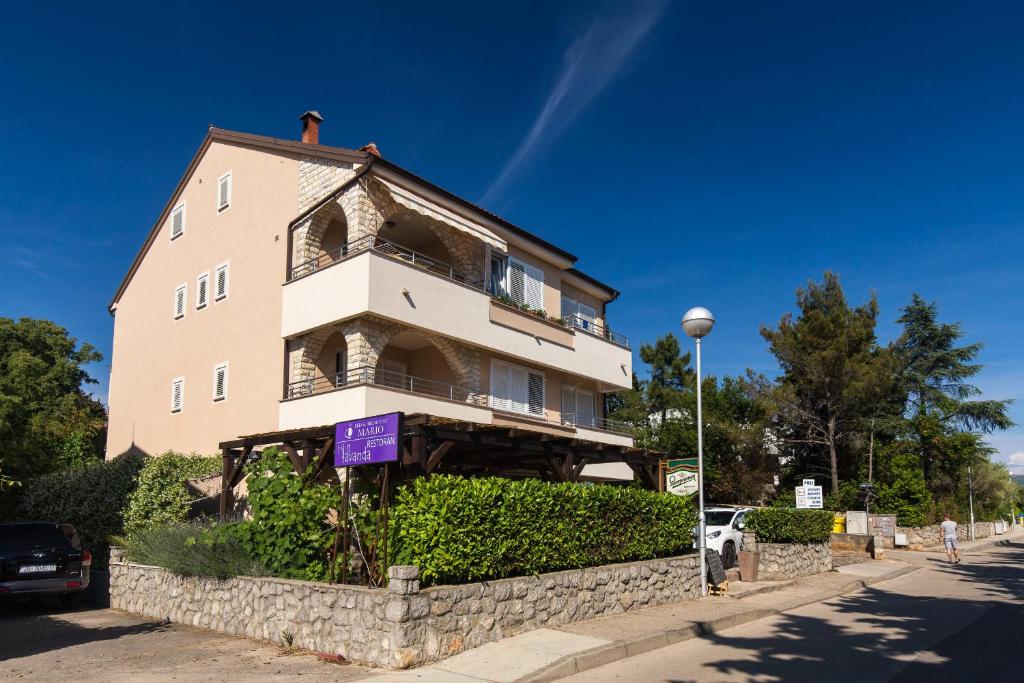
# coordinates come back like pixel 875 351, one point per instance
pixel 591 422
pixel 589 326
pixel 382 378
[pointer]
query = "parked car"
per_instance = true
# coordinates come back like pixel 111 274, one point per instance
pixel 724 529
pixel 42 558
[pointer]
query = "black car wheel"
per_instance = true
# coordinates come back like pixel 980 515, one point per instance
pixel 729 555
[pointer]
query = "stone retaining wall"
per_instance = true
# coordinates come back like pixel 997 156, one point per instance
pixel 403 625
pixel 924 537
pixel 789 560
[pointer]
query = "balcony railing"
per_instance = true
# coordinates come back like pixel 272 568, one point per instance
pixel 591 422
pixel 589 326
pixel 381 246
pixel 382 378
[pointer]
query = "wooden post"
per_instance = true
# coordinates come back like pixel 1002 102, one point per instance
pixel 226 491
pixel 384 499
pixel 346 497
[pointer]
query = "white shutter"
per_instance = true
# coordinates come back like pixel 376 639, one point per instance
pixel 535 288
pixel 220 382
pixel 179 301
pixel 517 389
pixel 177 221
pixel 568 403
pixel 584 408
pixel 177 394
pixel 535 394
pixel 587 315
pixel 220 282
pixel 569 309
pixel 224 191
pixel 202 290
pixel 500 386
pixel 517 281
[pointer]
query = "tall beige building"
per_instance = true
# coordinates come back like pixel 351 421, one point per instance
pixel 289 284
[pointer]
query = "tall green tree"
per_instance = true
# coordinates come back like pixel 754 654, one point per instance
pixel 47 420
pixel 834 373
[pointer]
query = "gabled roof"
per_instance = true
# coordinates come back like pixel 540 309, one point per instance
pixel 327 152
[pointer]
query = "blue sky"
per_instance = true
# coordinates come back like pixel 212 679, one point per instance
pixel 717 154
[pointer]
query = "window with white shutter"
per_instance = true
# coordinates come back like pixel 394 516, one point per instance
pixel 220 282
pixel 180 296
pixel 578 314
pixel 220 382
pixel 177 221
pixel 526 284
pixel 177 394
pixel 202 290
pixel 517 389
pixel 224 191
pixel 578 406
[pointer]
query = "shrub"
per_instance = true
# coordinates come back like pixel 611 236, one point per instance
pixel 289 533
pixel 193 549
pixel 457 529
pixel 162 496
pixel 906 494
pixel 92 499
pixel 790 525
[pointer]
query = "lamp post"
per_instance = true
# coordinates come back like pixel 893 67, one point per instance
pixel 697 323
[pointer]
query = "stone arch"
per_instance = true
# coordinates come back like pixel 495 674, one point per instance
pixel 309 238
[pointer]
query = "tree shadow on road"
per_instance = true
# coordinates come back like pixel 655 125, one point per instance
pixel 878 634
pixel 34 627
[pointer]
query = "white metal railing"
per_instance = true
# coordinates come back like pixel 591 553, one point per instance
pixel 592 422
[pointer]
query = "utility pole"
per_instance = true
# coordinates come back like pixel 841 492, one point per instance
pixel 970 497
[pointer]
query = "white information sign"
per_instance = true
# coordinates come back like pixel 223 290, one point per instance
pixel 809 497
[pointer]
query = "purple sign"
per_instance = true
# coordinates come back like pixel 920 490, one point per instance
pixel 368 440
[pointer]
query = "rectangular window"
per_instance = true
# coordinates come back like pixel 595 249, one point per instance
pixel 517 389
pixel 577 314
pixel 177 394
pixel 178 221
pixel 224 191
pixel 220 382
pixel 202 290
pixel 578 406
pixel 220 282
pixel 499 267
pixel 525 284
pixel 180 296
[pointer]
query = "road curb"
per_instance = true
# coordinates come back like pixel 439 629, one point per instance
pixel 621 649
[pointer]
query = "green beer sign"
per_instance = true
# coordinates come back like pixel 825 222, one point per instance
pixel 681 476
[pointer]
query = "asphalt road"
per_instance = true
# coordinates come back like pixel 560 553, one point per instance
pixel 40 641
pixel 942 623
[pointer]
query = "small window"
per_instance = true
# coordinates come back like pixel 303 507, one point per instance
pixel 525 284
pixel 224 191
pixel 202 290
pixel 180 296
pixel 220 382
pixel 220 282
pixel 177 394
pixel 178 221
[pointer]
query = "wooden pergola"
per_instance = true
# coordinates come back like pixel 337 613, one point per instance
pixel 432 445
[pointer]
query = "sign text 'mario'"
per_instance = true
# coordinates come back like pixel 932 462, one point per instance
pixel 368 440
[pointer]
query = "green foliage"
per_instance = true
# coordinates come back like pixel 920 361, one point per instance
pixel 790 525
pixel 904 491
pixel 47 420
pixel 289 533
pixel 467 529
pixel 89 498
pixel 846 498
pixel 162 496
pixel 193 549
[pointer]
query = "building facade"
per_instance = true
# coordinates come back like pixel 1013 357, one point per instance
pixel 288 284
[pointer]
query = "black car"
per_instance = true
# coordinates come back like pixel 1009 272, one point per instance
pixel 42 558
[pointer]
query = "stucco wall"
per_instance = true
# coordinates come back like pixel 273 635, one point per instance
pixel 150 348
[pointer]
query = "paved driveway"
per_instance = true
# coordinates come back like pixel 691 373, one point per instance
pixel 39 641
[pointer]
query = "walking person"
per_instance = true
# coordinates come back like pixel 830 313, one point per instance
pixel 949 539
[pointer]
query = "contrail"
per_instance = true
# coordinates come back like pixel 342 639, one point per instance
pixel 589 65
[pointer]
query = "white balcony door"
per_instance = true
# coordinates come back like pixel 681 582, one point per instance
pixel 578 404
pixel 517 389
pixel 579 315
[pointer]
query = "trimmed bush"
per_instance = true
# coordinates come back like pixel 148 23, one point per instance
pixel 790 525
pixel 162 496
pixel 89 498
pixel 192 549
pixel 459 529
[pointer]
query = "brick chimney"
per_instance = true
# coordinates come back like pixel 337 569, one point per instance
pixel 311 127
pixel 370 147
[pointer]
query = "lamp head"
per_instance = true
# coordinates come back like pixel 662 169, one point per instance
pixel 698 321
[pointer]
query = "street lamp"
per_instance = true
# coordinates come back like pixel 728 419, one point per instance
pixel 697 323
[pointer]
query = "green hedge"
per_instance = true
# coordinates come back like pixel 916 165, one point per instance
pixel 192 549
pixel 457 529
pixel 89 498
pixel 162 496
pixel 790 525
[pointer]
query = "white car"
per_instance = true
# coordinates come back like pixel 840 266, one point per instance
pixel 724 528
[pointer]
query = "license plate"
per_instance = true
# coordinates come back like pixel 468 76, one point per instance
pixel 36 568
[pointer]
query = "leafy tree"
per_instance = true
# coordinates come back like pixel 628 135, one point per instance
pixel 833 373
pixel 47 421
pixel 903 492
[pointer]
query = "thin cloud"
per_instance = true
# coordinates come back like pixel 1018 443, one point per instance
pixel 589 65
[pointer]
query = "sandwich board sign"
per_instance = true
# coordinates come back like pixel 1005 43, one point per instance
pixel 681 476
pixel 809 495
pixel 368 440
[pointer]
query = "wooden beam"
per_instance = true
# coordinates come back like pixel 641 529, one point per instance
pixel 293 456
pixel 439 452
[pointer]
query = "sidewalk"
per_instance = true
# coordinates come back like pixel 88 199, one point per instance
pixel 552 653
pixel 966 547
